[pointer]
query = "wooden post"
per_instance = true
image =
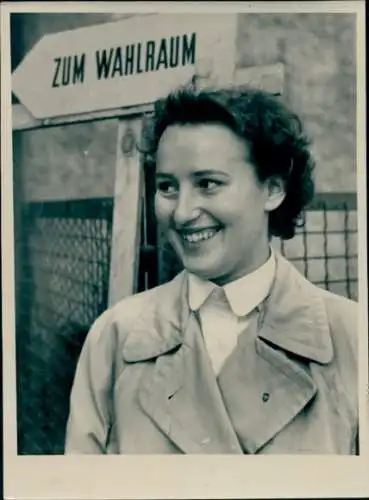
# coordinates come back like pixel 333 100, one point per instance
pixel 127 212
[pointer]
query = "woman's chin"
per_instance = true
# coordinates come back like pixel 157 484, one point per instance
pixel 204 264
pixel 206 272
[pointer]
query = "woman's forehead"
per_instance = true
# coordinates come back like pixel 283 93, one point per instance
pixel 187 150
pixel 200 140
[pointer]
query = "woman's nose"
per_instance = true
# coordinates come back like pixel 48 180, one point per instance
pixel 186 209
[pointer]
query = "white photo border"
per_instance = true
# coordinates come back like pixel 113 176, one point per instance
pixel 157 476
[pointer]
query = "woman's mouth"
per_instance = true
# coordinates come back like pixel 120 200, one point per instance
pixel 193 239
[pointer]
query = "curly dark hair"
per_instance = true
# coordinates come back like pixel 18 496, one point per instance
pixel 274 134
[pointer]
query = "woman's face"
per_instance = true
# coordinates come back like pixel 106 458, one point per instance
pixel 209 202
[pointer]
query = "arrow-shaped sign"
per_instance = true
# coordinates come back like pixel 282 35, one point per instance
pixel 126 63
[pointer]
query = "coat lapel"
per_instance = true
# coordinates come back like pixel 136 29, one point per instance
pixel 180 392
pixel 264 384
pixel 263 391
pixel 183 399
pixel 294 318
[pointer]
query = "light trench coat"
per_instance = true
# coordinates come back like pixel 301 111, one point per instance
pixel 145 385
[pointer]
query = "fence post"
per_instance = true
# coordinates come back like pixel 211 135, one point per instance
pixel 125 247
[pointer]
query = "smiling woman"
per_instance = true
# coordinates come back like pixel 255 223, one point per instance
pixel 210 202
pixel 239 353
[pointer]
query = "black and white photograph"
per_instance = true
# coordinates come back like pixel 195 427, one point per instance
pixel 184 239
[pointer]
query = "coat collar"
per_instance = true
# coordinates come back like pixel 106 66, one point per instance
pixel 293 318
pixel 243 294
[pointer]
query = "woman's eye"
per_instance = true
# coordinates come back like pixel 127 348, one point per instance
pixel 209 184
pixel 166 187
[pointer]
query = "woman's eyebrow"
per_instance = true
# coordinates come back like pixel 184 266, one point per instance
pixel 164 174
pixel 202 173
pixel 196 174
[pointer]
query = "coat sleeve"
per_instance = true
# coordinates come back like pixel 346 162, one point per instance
pixel 90 412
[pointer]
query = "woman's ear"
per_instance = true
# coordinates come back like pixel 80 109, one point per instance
pixel 276 193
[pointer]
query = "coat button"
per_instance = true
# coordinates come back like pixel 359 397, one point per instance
pixel 265 397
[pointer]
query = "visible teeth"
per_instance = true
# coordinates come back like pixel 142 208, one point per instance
pixel 203 235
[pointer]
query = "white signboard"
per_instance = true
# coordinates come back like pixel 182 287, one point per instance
pixel 121 64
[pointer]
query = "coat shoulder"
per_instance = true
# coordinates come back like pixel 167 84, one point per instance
pixel 130 312
pixel 338 304
pixel 341 309
pixel 108 335
pixel 343 314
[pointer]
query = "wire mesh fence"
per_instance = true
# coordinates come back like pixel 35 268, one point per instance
pixel 62 287
pixel 325 248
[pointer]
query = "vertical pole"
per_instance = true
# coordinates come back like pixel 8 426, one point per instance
pixel 125 248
